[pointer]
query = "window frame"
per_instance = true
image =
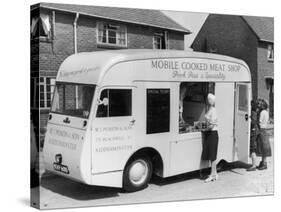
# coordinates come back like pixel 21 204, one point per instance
pixel 207 87
pixel 75 84
pixel 164 37
pixel 239 108
pixel 49 37
pixel 155 42
pixel 168 130
pixel 270 51
pixel 120 28
pixel 33 89
pixel 44 84
pixel 108 106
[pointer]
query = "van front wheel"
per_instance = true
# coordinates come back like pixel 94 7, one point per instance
pixel 137 174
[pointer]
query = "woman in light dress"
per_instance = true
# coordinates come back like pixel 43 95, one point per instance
pixel 211 138
pixel 263 141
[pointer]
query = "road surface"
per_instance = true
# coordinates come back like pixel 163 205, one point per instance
pixel 234 181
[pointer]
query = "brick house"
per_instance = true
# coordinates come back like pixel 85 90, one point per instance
pixel 59 30
pixel 247 38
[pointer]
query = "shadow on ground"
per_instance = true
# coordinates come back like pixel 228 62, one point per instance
pixel 203 174
pixel 76 190
pixel 235 165
pixel 80 191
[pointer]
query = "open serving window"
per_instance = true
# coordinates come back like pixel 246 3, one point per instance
pixel 193 96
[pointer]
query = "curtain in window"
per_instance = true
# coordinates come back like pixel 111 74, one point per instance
pixel 34 26
pixel 166 34
pixel 102 32
pixel 45 23
pixel 111 34
pixel 270 52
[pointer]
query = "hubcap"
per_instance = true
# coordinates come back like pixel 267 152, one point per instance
pixel 138 172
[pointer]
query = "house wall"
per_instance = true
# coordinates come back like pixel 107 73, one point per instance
pixel 265 68
pixel 229 35
pixel 54 51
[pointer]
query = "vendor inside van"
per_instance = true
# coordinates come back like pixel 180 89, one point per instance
pixel 193 105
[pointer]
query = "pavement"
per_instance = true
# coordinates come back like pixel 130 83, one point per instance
pixel 234 181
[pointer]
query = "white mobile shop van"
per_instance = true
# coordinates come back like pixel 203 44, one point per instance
pixel 119 116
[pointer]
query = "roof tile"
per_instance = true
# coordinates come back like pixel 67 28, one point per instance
pixel 262 26
pixel 138 16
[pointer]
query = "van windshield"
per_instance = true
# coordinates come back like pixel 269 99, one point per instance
pixel 73 99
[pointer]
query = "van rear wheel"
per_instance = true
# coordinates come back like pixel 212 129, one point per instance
pixel 137 174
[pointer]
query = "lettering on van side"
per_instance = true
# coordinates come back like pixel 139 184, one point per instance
pixel 63 144
pixel 196 75
pixel 112 129
pixel 193 66
pixel 218 76
pixel 64 138
pixel 65 74
pixel 193 70
pixel 114 148
pixel 64 134
pixel 111 138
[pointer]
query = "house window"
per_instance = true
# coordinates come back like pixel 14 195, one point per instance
pixel 157 42
pixel 42 90
pixel 34 92
pixel 160 41
pixel 112 34
pixel 40 26
pixel 270 52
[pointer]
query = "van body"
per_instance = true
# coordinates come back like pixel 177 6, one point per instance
pixel 119 116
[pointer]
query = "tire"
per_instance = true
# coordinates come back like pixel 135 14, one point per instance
pixel 137 174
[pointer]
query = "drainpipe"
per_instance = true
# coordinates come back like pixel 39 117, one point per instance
pixel 75 32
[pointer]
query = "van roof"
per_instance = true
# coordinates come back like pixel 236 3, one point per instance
pixel 99 61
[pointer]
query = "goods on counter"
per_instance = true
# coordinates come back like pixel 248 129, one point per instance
pixel 196 127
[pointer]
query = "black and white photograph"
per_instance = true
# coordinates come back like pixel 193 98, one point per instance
pixel 131 105
pixel 140 105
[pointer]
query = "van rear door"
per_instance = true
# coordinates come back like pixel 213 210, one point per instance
pixel 242 120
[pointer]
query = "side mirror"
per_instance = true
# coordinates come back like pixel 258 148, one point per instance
pixel 104 101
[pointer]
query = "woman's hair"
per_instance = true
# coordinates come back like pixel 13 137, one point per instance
pixel 211 99
pixel 254 105
pixel 259 104
pixel 264 105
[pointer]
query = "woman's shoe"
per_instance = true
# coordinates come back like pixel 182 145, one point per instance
pixel 260 165
pixel 212 178
pixel 263 166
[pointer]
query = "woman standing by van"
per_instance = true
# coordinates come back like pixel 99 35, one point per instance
pixel 254 133
pixel 263 142
pixel 210 144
